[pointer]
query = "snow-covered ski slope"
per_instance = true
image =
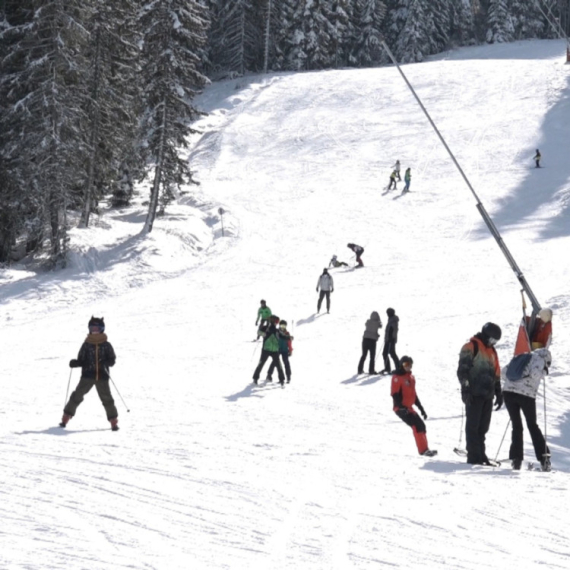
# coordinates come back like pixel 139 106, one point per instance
pixel 209 472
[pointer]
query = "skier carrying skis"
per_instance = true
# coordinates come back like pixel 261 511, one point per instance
pixel 95 357
pixel 407 179
pixel 285 351
pixel 404 396
pixel 519 392
pixel 263 314
pixel 393 180
pixel 270 350
pixel 358 251
pixel 479 375
pixel 369 341
pixel 326 285
pixel 390 340
pixel 334 262
pixel 396 168
pixel 537 158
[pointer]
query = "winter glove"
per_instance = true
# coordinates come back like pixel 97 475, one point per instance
pixel 74 363
pixel 498 400
pixel 332 290
pixel 466 394
pixel 423 413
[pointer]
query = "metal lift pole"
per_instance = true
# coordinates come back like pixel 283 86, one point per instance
pixel 486 218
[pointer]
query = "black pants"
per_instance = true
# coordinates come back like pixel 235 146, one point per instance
pixel 285 357
pixel 478 419
pixel 412 419
pixel 537 163
pixel 392 181
pixel 265 355
pixel 368 346
pixel 516 403
pixel 390 349
pixel 322 295
pixel 104 391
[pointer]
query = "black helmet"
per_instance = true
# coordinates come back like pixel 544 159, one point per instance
pixel 491 332
pixel 97 322
pixel 283 322
pixel 262 301
pixel 407 359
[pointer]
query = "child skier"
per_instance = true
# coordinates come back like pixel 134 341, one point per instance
pixel 537 158
pixel 407 179
pixel 285 351
pixel 393 180
pixel 263 314
pixel 95 357
pixel 403 390
pixel 270 350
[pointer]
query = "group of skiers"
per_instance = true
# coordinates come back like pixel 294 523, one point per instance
pixel 395 177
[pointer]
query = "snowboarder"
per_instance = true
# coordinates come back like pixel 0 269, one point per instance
pixel 396 168
pixel 403 390
pixel 95 357
pixel 369 341
pixel 285 351
pixel 407 179
pixel 520 395
pixel 263 314
pixel 479 374
pixel 334 262
pixel 270 350
pixel 393 180
pixel 326 285
pixel 537 158
pixel 390 340
pixel 358 251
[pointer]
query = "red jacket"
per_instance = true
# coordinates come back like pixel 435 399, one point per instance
pixel 403 390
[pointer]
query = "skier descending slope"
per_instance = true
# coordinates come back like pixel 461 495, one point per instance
pixel 403 390
pixel 95 357
pixel 326 285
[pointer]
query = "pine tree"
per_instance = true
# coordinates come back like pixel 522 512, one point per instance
pixel 528 22
pixel 44 119
pixel 462 22
pixel 415 39
pixel 499 24
pixel 173 32
pixel 366 48
pixel 441 14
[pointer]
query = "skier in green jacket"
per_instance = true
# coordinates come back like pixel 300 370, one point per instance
pixel 407 180
pixel 263 314
pixel 270 350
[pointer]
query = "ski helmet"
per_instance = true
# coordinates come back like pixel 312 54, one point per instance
pixel 545 315
pixel 406 360
pixel 97 322
pixel 390 312
pixel 492 332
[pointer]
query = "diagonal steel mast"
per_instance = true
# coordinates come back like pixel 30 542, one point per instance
pixel 484 214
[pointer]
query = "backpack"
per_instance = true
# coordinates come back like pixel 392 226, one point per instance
pixel 518 367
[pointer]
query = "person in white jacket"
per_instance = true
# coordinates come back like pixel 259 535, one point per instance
pixel 520 395
pixel 326 285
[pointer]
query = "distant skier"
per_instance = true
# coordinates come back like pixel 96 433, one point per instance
pixel 326 285
pixel 285 351
pixel 537 158
pixel 369 341
pixel 519 393
pixel 407 179
pixel 270 350
pixel 393 177
pixel 95 357
pixel 404 397
pixel 263 314
pixel 358 251
pixel 479 374
pixel 334 262
pixel 390 340
pixel 396 168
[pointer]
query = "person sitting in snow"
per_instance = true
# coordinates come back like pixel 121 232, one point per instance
pixel 537 158
pixel 519 395
pixel 404 397
pixel 95 357
pixel 336 263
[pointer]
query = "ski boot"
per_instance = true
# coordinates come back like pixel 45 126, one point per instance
pixel 64 420
pixel 115 424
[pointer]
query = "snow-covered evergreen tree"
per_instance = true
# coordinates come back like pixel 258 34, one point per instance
pixel 366 48
pixel 462 22
pixel 499 22
pixel 44 122
pixel 441 15
pixel 173 32
pixel 527 19
pixel 411 22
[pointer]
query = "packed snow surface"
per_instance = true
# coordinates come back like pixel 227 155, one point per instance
pixel 210 472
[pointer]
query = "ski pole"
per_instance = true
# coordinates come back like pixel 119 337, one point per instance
pixel 500 445
pixel 119 394
pixel 461 428
pixel 67 391
pixel 545 455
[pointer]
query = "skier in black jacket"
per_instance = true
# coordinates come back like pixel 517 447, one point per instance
pixel 358 251
pixel 390 340
pixel 95 357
